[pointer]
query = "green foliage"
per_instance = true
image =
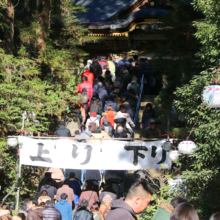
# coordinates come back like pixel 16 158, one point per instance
pixel 40 78
pixel 203 175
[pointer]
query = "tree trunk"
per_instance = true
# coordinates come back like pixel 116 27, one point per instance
pixel 43 19
pixel 8 35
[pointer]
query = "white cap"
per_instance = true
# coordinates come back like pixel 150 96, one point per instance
pixel 89 61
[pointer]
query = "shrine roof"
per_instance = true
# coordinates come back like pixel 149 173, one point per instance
pixel 101 10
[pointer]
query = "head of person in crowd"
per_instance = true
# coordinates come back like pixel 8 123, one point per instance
pixel 176 201
pixel 95 96
pixel 66 182
pixel 116 135
pixel 72 175
pixel 84 203
pixel 22 216
pixel 152 125
pixel 140 175
pixel 137 64
pixel 63 196
pixel 16 218
pixel 47 174
pixel 4 206
pixel 100 84
pixel 184 211
pixel 99 58
pixel 215 216
pixel 84 79
pixel 94 208
pixel 49 181
pixel 124 72
pixel 149 107
pixel 139 196
pixel 107 199
pixel 117 90
pixel 89 185
pixel 32 202
pixel 62 123
pixel 94 115
pixel 135 57
pixel 101 79
pixel 89 62
pixel 134 79
pixel 84 90
pixel 110 108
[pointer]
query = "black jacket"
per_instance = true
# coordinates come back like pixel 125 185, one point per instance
pixel 96 69
pixel 120 210
pixel 103 95
pixel 93 175
pixel 83 214
pixel 50 213
pixel 63 132
pixel 114 176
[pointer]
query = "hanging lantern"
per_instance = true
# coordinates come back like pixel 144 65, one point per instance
pixel 167 146
pixel 174 155
pixel 211 96
pixel 12 142
pixel 186 147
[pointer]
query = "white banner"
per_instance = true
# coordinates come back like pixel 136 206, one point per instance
pixel 105 155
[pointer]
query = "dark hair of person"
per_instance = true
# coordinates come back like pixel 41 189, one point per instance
pixel 94 207
pixel 47 174
pixel 123 110
pixel 84 78
pixel 107 72
pixel 99 58
pixel 215 216
pixel 66 182
pixel 48 202
pixel 101 79
pixel 84 203
pixel 34 201
pixel 135 57
pixel 184 211
pixel 176 201
pixel 49 180
pixel 149 105
pixel 95 95
pixel 22 216
pixel 111 98
pixel 72 175
pixel 139 189
pixel 116 135
pixel 63 196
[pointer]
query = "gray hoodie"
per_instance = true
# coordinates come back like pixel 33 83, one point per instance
pixel 51 190
pixel 120 211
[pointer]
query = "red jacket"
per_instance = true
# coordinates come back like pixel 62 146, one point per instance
pixel 89 75
pixel 86 85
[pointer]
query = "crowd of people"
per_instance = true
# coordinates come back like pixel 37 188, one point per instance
pixel 109 93
pixel 90 200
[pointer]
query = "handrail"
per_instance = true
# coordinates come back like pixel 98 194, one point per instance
pixel 139 101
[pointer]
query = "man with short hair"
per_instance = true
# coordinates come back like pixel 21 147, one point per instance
pixel 66 189
pixel 64 207
pixel 34 211
pixel 87 85
pixel 63 131
pixel 51 190
pixel 83 213
pixel 137 200
pixel 49 212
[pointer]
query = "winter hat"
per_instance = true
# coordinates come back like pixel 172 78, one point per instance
pixel 89 61
pixel 93 114
pixel 62 123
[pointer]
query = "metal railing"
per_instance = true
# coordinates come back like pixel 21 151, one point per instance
pixel 139 101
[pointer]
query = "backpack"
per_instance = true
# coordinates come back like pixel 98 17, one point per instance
pixel 73 124
pixel 92 126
